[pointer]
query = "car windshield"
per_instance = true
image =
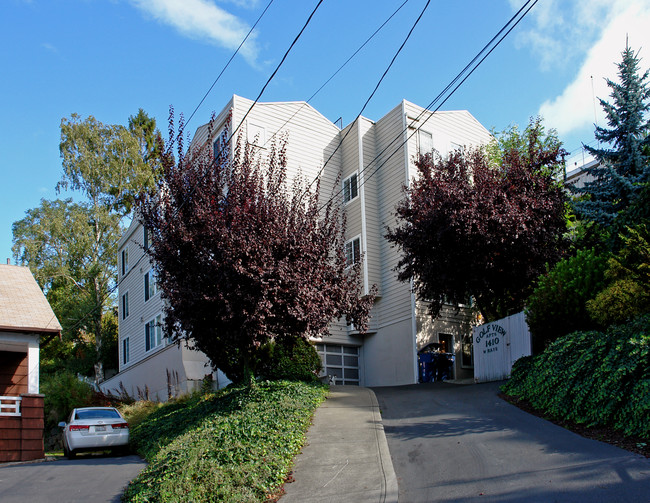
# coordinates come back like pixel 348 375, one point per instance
pixel 97 414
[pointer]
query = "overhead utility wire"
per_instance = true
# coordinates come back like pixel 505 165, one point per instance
pixel 458 85
pixel 229 61
pixel 275 71
pixel 370 97
pixel 432 103
pixel 119 282
pixel 337 71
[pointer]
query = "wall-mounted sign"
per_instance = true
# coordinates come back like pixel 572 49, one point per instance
pixel 497 345
pixel 490 337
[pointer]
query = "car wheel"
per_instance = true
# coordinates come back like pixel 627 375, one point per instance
pixel 70 454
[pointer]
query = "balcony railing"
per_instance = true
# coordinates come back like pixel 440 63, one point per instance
pixel 10 405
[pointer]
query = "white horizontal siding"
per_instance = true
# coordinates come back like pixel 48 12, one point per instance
pixel 395 302
pixel 140 312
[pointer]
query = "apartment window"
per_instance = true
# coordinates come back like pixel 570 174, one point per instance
pixel 425 142
pixel 125 305
pixel 146 238
pixel 125 351
pixel 458 147
pixel 153 333
pixel 353 251
pixel 350 188
pixel 125 260
pixel 216 149
pixel 150 284
pixel 256 134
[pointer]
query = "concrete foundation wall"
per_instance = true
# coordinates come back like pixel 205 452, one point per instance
pixel 389 357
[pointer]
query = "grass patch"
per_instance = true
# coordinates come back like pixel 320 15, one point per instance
pixel 235 445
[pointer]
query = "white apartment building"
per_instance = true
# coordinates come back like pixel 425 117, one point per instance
pixel 376 160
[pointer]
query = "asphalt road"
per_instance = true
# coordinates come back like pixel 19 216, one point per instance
pixel 462 443
pixel 89 478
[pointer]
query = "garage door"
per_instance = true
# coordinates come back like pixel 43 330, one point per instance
pixel 341 362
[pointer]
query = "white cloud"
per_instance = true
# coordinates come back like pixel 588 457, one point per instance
pixel 574 108
pixel 49 47
pixel 202 19
pixel 560 31
pixel 246 4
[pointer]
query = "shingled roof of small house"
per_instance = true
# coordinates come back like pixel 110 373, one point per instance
pixel 23 306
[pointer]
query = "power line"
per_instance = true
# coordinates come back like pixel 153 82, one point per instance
pixel 337 71
pixel 516 18
pixel 371 95
pixel 229 61
pixel 119 282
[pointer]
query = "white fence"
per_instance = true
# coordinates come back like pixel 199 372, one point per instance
pixel 10 405
pixel 497 345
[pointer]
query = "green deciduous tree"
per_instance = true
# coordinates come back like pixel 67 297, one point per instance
pixel 108 163
pixel 71 250
pixel 628 291
pixel 71 247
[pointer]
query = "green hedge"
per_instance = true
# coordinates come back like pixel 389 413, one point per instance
pixel 557 306
pixel 592 378
pixel 236 445
pixel 291 359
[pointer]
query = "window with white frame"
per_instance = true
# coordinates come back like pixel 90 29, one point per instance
pixel 125 351
pixel 125 305
pixel 153 333
pixel 218 144
pixel 425 142
pixel 150 284
pixel 350 188
pixel 125 260
pixel 353 251
pixel 457 146
pixel 256 134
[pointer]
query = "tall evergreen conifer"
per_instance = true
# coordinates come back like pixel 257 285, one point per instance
pixel 615 196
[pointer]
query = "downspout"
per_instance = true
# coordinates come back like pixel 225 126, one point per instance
pixel 362 201
pixel 413 302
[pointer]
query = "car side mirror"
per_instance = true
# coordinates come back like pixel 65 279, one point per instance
pixel 62 424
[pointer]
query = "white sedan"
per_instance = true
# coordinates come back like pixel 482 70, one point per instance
pixel 94 429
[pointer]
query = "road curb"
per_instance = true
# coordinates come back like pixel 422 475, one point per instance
pixel 390 478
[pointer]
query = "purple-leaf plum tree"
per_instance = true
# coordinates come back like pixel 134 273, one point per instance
pixel 483 224
pixel 244 256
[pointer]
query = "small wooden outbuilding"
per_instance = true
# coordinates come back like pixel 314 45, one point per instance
pixel 26 319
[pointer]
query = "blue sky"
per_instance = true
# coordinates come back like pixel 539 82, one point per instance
pixel 107 58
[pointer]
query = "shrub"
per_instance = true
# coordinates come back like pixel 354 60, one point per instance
pixel 64 392
pixel 622 300
pixel 293 359
pixel 628 292
pixel 557 306
pixel 136 412
pixel 592 378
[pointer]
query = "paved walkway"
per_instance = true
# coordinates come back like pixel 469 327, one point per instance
pixel 455 443
pixel 346 457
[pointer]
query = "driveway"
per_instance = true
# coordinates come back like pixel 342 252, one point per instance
pixel 88 478
pixel 453 443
